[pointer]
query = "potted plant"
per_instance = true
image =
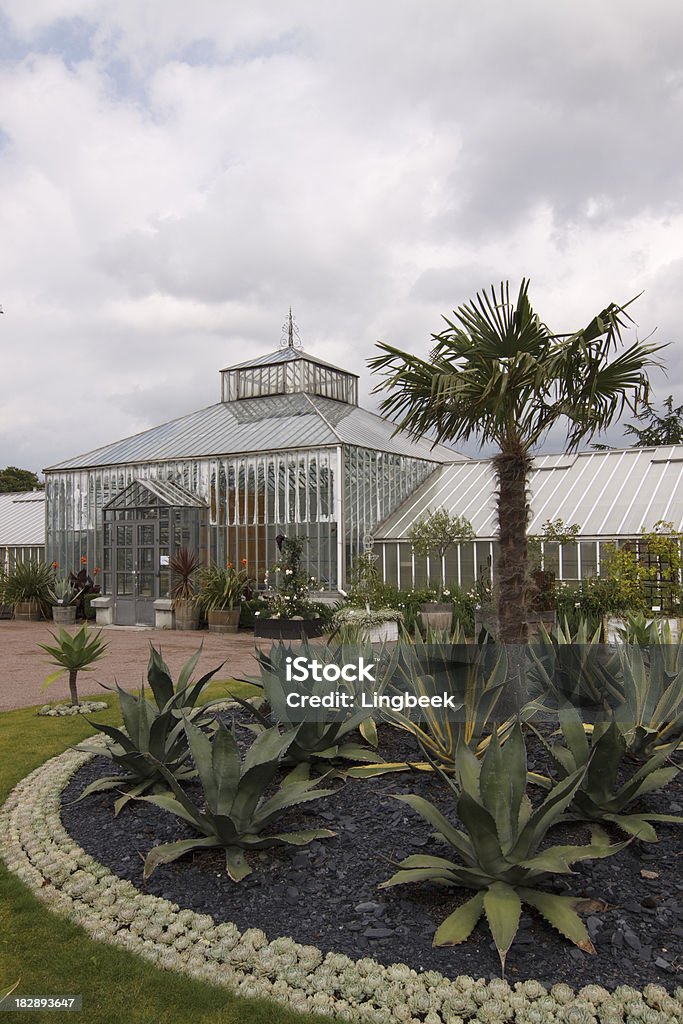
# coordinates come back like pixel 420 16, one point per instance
pixel 378 625
pixel 64 597
pixel 220 596
pixel 289 613
pixel 184 566
pixel 434 533
pixel 27 589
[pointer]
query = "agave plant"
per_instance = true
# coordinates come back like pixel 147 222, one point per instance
pixel 154 735
pixel 237 811
pixel 577 669
pixel 650 713
pixel 310 739
pixel 499 849
pixel 600 754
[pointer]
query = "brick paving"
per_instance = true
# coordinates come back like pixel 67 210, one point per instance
pixel 23 665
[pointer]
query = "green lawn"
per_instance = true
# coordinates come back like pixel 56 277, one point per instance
pixel 52 957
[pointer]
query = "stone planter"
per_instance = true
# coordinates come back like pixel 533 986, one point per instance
pixel 65 615
pixel 27 611
pixel 548 619
pixel 224 620
pixel 382 633
pixel 437 616
pixel 287 629
pixel 186 615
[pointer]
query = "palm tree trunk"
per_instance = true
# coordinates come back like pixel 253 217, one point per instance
pixel 72 686
pixel 511 568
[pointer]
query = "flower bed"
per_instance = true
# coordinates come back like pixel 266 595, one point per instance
pixel 35 845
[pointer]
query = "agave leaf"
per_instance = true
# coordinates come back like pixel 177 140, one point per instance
pixel 503 909
pixel 574 735
pixel 481 829
pixel 131 794
pixel 117 735
pixel 301 838
pixel 560 912
pixel 250 793
pixel 607 753
pixel 159 678
pixel 459 925
pixel 102 785
pixel 410 875
pixel 267 747
pixel 188 668
pixel 299 773
pixel 654 780
pixel 236 863
pixel 368 730
pixel 354 752
pixel 288 796
pixel 430 813
pixel 502 782
pixel 225 769
pixel 168 852
pixel 202 755
pixel 554 805
pixel 167 802
pixel 468 769
pixel 372 770
pixel 558 859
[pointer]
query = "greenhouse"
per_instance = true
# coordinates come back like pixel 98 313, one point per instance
pixel 22 528
pixel 287 450
pixel 605 496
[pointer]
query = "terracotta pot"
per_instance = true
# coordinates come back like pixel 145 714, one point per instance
pixel 186 615
pixel 65 615
pixel 27 611
pixel 224 620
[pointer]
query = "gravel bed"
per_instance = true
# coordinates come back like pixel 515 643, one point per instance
pixel 326 894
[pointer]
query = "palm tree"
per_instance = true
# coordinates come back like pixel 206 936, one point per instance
pixel 497 372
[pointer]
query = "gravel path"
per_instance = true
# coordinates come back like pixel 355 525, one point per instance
pixel 23 666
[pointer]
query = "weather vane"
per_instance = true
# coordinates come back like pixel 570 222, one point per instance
pixel 290 333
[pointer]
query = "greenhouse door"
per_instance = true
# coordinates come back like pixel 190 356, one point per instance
pixel 136 568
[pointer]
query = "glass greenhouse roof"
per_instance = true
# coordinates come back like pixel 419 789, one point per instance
pixel 273 423
pixel 608 494
pixel 22 518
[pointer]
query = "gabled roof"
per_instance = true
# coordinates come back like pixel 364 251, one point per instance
pixel 22 519
pixel 273 423
pixel 608 494
pixel 286 355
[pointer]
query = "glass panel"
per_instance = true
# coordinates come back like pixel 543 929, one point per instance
pixel 124 584
pixel 146 559
pixel 124 536
pixel 145 535
pixel 164 583
pixel 146 584
pixel 124 560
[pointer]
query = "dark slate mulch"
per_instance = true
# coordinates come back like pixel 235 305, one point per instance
pixel 326 894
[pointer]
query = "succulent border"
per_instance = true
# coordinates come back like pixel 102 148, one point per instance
pixel 37 848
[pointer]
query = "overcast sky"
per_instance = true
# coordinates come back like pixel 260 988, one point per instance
pixel 173 175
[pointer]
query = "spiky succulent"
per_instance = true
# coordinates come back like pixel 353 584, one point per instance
pixel 600 753
pixel 499 846
pixel 154 735
pixel 650 712
pixel 310 739
pixel 237 812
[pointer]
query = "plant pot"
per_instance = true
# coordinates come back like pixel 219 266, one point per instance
pixel 383 632
pixel 534 620
pixel 186 615
pixel 5 611
pixel 27 611
pixel 64 614
pixel 437 616
pixel 287 629
pixel 224 620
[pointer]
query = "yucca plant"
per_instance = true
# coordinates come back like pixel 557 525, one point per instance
pixel 154 735
pixel 599 753
pixel 499 847
pixel 237 813
pixel 73 653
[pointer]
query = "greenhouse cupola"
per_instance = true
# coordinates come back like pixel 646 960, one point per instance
pixel 288 371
